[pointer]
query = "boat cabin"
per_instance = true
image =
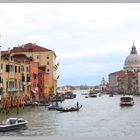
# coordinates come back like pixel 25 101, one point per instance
pixel 13 121
pixel 126 100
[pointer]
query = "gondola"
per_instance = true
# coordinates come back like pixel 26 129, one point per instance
pixel 69 109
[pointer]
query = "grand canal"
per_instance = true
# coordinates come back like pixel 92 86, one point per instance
pixel 99 117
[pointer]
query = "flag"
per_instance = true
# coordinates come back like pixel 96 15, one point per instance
pixel 58 76
pixel 57 63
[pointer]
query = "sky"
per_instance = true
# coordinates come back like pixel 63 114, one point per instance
pixel 90 40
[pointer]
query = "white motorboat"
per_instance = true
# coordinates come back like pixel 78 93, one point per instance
pixel 12 124
pixel 126 100
pixel 94 94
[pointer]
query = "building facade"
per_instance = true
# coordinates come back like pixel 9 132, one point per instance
pixel 103 87
pixel 42 56
pixel 127 81
pixel 27 72
pixel 43 83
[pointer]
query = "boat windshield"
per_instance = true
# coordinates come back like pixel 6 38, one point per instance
pixel 126 99
pixel 20 121
pixel 10 121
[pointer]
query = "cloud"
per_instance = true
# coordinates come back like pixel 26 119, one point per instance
pixel 89 39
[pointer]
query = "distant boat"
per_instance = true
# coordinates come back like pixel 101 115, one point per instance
pixel 126 100
pixel 12 124
pixel 69 95
pixel 94 94
pixel 84 93
pixel 71 109
pixel 53 107
pixel 111 95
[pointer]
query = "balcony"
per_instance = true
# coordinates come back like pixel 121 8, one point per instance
pixel 12 89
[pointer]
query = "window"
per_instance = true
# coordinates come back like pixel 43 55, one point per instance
pixel 28 78
pixel 19 69
pixel 47 63
pixel 23 78
pixel 34 75
pixel 47 70
pixel 37 57
pixel 7 68
pixel 1 66
pixel 27 69
pixel 11 57
pixel 41 82
pixel 22 68
pixel 47 57
pixel 15 68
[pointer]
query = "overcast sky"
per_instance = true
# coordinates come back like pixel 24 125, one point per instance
pixel 90 40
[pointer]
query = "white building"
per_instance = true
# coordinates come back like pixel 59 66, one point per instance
pixel 132 61
pixel 103 85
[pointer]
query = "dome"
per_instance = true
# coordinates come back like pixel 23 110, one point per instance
pixel 132 61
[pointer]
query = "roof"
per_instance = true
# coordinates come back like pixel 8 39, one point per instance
pixel 29 47
pixel 127 96
pixel 4 52
pixel 123 73
pixel 118 72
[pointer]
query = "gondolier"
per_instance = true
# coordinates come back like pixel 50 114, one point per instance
pixel 77 104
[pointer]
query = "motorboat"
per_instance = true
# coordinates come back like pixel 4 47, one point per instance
pixel 93 94
pixel 86 96
pixel 69 95
pixel 13 124
pixel 126 100
pixel 53 107
pixel 110 95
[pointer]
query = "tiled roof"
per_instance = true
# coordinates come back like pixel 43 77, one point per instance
pixel 123 73
pixel 30 47
pixel 4 52
pixel 118 72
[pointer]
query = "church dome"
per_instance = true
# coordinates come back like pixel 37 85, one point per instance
pixel 132 61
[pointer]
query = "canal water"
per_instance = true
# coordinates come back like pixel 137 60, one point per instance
pixel 99 117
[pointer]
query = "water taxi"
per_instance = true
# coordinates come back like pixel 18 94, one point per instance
pixel 126 100
pixel 94 94
pixel 12 124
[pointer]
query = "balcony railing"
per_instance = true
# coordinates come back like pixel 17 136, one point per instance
pixel 12 89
